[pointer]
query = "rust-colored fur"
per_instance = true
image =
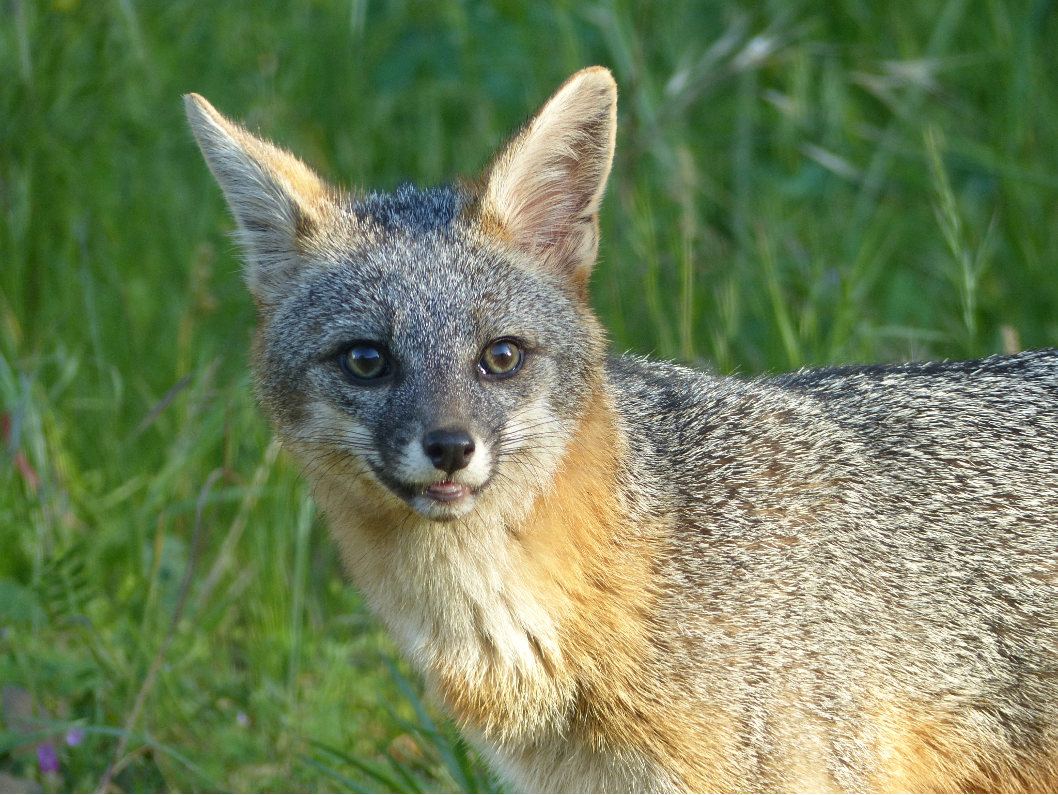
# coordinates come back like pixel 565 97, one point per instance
pixel 920 750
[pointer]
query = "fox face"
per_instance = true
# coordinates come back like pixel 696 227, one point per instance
pixel 441 367
pixel 434 342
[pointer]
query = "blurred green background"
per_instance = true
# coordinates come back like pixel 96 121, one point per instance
pixel 797 183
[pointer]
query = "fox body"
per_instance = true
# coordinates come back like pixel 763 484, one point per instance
pixel 620 574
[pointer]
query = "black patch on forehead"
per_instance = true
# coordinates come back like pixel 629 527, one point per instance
pixel 410 208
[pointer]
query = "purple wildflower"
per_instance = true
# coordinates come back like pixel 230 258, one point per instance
pixel 49 761
pixel 75 737
pixel 242 718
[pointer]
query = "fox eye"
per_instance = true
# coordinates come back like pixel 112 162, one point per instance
pixel 364 362
pixel 501 358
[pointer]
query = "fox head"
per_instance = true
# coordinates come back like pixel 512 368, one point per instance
pixel 437 343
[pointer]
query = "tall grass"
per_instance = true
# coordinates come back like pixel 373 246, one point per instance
pixel 796 184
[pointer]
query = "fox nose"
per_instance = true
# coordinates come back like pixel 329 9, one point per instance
pixel 448 450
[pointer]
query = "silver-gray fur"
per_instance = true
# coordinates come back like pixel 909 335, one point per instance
pixel 855 535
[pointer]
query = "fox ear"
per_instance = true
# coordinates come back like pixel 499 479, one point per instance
pixel 278 202
pixel 543 191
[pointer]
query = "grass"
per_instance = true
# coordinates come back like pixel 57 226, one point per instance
pixel 796 184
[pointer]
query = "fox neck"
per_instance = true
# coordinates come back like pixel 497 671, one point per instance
pixel 507 617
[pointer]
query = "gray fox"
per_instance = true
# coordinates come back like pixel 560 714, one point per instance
pixel 625 575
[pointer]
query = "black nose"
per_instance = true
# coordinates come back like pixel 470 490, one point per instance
pixel 449 450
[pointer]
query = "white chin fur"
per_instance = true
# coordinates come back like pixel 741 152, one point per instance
pixel 443 511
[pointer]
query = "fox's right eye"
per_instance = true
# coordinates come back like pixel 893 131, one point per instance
pixel 364 362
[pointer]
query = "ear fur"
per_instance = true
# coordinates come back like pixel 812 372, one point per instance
pixel 542 192
pixel 278 202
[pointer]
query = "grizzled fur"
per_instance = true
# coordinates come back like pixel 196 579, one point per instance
pixel 860 535
pixel 632 575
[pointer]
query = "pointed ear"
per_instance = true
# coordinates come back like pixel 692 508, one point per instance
pixel 278 202
pixel 542 192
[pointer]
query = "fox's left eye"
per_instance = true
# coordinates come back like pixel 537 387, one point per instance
pixel 501 358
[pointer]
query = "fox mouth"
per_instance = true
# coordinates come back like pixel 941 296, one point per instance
pixel 447 491
pixel 442 499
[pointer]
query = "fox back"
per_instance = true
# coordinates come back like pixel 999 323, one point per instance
pixel 619 574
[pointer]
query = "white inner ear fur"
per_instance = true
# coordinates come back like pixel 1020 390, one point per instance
pixel 277 201
pixel 544 190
